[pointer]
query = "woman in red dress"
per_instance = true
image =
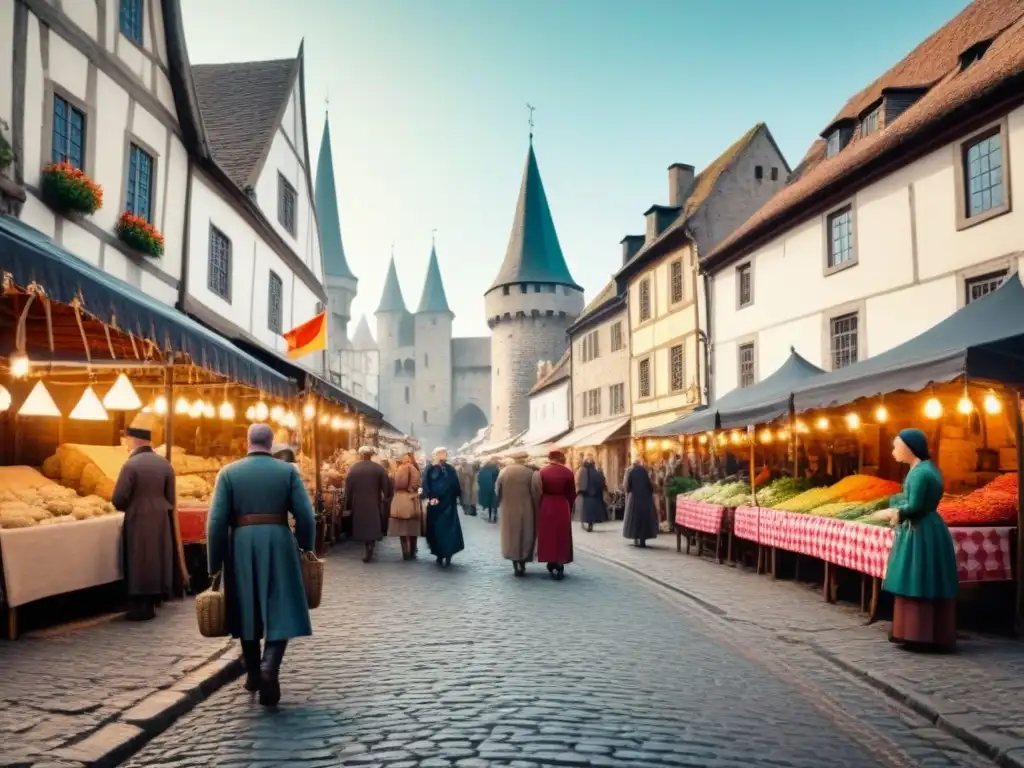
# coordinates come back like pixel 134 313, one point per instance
pixel 554 491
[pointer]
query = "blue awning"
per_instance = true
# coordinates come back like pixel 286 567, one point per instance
pixel 29 256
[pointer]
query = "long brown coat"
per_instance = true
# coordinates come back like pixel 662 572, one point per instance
pixel 517 513
pixel 406 508
pixel 145 492
pixel 467 481
pixel 366 488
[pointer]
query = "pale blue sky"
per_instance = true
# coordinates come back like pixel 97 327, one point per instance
pixel 429 120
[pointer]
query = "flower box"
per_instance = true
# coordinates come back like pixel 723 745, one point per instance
pixel 135 232
pixel 67 189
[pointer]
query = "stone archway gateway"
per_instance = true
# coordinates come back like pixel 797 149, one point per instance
pixel 466 422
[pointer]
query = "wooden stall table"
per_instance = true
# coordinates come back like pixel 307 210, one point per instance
pixel 700 518
pixel 44 561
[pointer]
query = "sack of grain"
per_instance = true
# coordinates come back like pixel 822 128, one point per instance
pixel 51 467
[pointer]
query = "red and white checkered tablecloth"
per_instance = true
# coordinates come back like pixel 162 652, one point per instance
pixel 983 554
pixel 698 516
pixel 745 521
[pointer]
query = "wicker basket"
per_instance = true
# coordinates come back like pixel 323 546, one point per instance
pixel 212 611
pixel 312 578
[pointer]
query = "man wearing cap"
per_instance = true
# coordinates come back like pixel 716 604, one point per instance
pixel 145 492
pixel 248 536
pixel 366 490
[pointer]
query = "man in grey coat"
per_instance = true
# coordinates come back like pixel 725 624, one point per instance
pixel 145 492
pixel 366 488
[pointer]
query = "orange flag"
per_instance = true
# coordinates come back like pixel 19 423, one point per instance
pixel 309 337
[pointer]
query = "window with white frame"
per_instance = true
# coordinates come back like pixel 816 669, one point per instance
pixel 617 336
pixel 219 264
pixel 744 285
pixel 645 299
pixel 677 378
pixel 746 364
pixel 984 181
pixel 840 238
pixel 976 287
pixel 275 303
pixel 644 378
pixel 617 399
pixel 843 336
pixel 676 281
pixel 592 403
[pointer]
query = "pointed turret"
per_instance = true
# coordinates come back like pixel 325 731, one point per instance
pixel 362 339
pixel 326 200
pixel 391 300
pixel 433 298
pixel 533 254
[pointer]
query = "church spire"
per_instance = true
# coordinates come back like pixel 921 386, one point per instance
pixel 391 300
pixel 433 298
pixel 326 201
pixel 533 254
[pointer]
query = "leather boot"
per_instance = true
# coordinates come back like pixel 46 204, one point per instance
pixel 270 687
pixel 251 655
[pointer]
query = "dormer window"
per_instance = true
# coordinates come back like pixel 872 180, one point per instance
pixel 838 138
pixel 870 122
pixel 833 146
pixel 974 54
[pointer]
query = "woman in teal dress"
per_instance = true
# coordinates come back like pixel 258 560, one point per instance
pixel 922 570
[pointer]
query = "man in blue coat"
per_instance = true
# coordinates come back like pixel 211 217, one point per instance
pixel 249 538
pixel 486 495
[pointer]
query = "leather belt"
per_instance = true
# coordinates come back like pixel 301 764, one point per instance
pixel 261 520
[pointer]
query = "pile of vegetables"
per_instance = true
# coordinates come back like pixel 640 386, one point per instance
pixel 779 491
pixel 992 504
pixel 841 498
pixel 727 494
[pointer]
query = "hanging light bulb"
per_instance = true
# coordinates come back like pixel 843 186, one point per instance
pixel 261 411
pixel 324 419
pixel 89 407
pixel 933 408
pixel 783 434
pixel 122 396
pixel 250 413
pixel 722 439
pixel 209 411
pixel 881 414
pixel 39 403
pixel 160 406
pixel 766 436
pixel 276 413
pixel 336 423
pixel 802 428
pixel 19 365
pixel 5 399
pixel 308 411
pixel 821 423
pixel 992 404
pixel 853 421
pixel 735 438
pixel 196 409
pixel 703 439
pixel 182 407
pixel 289 420
pixel 227 411
pixel 965 406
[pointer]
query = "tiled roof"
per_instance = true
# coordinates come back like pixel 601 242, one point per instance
pixel 935 64
pixel 433 298
pixel 555 375
pixel 326 201
pixel 391 299
pixel 240 105
pixel 471 352
pixel 701 191
pixel 533 254
pixel 607 293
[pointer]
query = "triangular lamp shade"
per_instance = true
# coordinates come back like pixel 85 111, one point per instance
pixel 122 396
pixel 89 408
pixel 39 403
pixel 5 399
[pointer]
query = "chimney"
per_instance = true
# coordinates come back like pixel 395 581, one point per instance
pixel 630 245
pixel 680 179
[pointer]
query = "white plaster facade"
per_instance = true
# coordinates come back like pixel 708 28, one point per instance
pixel 600 367
pixel 549 412
pixel 124 94
pixel 915 261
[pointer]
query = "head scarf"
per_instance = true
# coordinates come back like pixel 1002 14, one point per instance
pixel 916 441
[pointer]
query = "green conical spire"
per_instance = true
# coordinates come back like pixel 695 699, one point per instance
pixel 391 300
pixel 533 254
pixel 326 201
pixel 433 298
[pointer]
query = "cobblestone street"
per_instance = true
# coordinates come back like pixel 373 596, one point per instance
pixel 414 666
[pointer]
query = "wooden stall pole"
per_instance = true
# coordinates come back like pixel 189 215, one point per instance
pixel 168 443
pixel 1018 419
pixel 318 489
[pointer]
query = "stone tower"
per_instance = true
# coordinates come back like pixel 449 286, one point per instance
pixel 338 278
pixel 396 340
pixel 433 393
pixel 530 306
